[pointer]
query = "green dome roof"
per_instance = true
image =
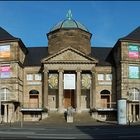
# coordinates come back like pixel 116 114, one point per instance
pixel 69 23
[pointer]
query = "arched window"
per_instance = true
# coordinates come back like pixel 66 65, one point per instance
pixel 33 92
pixel 5 94
pixel 134 94
pixel 105 92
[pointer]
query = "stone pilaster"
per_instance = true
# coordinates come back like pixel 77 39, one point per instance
pixel 11 115
pixel 45 89
pixel 93 90
pixel 78 91
pixel 61 88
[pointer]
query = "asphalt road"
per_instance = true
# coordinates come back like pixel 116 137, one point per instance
pixel 70 132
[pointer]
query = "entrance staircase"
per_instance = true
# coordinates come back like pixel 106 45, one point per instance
pixel 59 118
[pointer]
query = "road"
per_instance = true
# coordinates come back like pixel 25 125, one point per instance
pixel 70 132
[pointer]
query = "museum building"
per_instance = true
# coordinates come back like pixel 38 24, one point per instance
pixel 68 72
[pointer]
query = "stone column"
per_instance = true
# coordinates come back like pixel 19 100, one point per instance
pixel 5 113
pixel 134 113
pixel 61 88
pixel 45 89
pixel 129 112
pixel 78 92
pixel 93 90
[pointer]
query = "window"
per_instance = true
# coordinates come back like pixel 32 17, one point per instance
pixel 5 51
pixel 105 92
pixel 29 77
pixel 134 94
pixel 133 51
pixel 5 94
pixel 100 76
pixel 133 72
pixel 38 76
pixel 108 77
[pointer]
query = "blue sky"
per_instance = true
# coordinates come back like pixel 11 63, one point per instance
pixel 106 20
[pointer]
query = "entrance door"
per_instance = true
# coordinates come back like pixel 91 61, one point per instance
pixel 34 101
pixel 68 98
pixel 104 101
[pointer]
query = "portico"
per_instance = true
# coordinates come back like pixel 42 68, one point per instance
pixel 65 79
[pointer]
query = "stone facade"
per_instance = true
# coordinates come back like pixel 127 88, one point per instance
pixel 69 73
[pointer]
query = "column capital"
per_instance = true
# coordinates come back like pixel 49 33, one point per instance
pixel 93 70
pixel 60 70
pixel 78 70
pixel 45 70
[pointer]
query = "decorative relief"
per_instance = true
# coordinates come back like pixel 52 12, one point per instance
pixel 86 81
pixel 68 56
pixel 53 81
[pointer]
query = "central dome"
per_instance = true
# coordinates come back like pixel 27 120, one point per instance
pixel 69 23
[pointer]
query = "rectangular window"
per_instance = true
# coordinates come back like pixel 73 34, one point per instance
pixel 5 51
pixel 29 77
pixel 133 72
pixel 100 76
pixel 133 51
pixel 108 77
pixel 38 76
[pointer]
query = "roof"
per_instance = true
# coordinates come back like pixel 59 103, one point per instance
pixel 36 54
pixel 133 36
pixel 101 54
pixel 4 35
pixel 69 23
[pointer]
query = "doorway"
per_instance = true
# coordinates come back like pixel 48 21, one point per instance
pixel 69 98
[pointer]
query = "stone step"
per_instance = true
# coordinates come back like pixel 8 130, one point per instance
pixel 60 118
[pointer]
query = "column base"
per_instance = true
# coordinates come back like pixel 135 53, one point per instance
pixel 78 110
pixel 61 110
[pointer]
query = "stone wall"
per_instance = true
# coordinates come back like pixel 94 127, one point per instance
pixel 75 38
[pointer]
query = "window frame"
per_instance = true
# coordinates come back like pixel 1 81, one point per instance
pixel 29 79
pixel 129 72
pixel 103 78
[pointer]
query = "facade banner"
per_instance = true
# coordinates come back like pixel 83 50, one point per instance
pixel 86 81
pixel 53 81
pixel 133 51
pixel 133 48
pixel 5 71
pixel 133 54
pixel 122 110
pixel 69 81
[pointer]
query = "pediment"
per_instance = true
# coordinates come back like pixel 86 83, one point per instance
pixel 69 55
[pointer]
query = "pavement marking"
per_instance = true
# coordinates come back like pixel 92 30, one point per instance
pixel 61 134
pixel 34 137
pixel 33 128
pixel 135 136
pixel 11 132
